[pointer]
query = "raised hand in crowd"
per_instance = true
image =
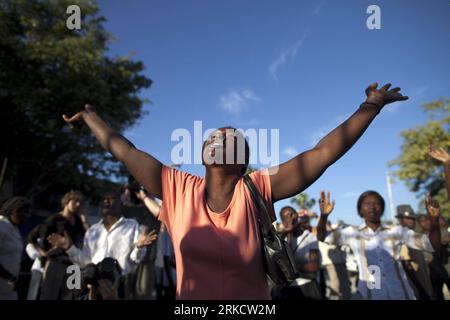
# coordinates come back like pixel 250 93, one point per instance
pixel 440 154
pixel 326 207
pixel 146 239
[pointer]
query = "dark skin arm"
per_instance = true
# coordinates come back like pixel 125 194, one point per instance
pixel 300 172
pixel 434 212
pixel 145 168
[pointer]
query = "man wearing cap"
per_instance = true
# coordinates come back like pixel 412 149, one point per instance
pixel 406 216
pixel 415 262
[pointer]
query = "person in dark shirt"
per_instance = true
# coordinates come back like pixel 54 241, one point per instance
pixel 138 205
pixel 55 260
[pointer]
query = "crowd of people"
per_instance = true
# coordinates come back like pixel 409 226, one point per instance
pixel 124 241
pixel 203 240
pixel 399 261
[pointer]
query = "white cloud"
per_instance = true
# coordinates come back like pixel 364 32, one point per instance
pixel 235 101
pixel 318 8
pixel 290 151
pixel 287 55
pixel 250 95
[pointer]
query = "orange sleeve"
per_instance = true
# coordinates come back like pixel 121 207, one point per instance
pixel 261 179
pixel 172 182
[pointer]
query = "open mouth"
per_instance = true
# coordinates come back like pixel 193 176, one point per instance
pixel 216 145
pixel 213 147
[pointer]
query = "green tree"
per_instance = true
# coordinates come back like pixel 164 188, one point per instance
pixel 420 172
pixel 47 70
pixel 302 201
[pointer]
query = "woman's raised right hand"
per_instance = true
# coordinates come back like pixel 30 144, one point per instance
pixel 77 120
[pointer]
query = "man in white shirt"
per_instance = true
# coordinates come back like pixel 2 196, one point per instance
pixel 305 248
pixel 306 254
pixel 376 246
pixel 114 236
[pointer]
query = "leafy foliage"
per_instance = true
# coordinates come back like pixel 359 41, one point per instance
pixel 421 173
pixel 47 70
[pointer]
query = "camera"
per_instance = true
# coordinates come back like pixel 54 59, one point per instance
pixel 108 268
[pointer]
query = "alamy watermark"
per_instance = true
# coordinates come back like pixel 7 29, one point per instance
pixel 374 277
pixel 73 22
pixel 226 146
pixel 74 280
pixel 374 20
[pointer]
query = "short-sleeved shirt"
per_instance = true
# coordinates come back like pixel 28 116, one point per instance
pixel 301 247
pixel 380 251
pixel 218 255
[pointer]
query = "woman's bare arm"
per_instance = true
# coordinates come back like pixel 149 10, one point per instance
pixel 142 166
pixel 297 174
pixel 150 203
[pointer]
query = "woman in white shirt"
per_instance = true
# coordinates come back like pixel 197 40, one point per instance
pixel 376 246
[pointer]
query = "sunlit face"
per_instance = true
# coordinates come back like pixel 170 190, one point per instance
pixel 74 205
pixel 289 218
pixel 110 204
pixel 224 146
pixel 371 209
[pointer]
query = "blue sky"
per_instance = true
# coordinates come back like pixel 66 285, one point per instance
pixel 297 66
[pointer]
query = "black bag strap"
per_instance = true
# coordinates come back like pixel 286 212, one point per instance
pixel 264 219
